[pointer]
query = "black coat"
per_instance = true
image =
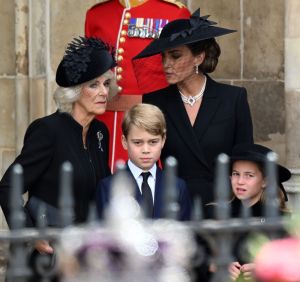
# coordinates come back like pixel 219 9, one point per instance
pixel 241 241
pixel 224 120
pixel 50 141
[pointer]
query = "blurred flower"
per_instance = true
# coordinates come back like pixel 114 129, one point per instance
pixel 279 261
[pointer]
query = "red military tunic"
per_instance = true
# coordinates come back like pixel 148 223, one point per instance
pixel 121 27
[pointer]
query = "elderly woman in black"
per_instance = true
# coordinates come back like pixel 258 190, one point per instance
pixel 70 134
pixel 204 118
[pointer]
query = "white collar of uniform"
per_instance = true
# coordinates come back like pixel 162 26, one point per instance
pixel 136 171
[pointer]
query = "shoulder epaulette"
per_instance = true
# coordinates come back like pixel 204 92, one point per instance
pixel 176 2
pixel 103 1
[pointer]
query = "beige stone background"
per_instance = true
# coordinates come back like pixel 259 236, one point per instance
pixel 263 55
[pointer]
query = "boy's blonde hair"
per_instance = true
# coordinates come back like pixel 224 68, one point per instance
pixel 147 117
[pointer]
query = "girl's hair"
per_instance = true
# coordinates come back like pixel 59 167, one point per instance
pixel 65 97
pixel 212 53
pixel 147 117
pixel 281 199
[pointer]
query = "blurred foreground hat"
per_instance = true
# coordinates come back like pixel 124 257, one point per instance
pixel 258 153
pixel 84 59
pixel 182 32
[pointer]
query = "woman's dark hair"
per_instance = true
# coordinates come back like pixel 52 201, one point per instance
pixel 212 53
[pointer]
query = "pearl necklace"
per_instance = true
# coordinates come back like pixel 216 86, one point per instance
pixel 191 100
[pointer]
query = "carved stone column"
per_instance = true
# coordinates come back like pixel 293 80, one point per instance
pixel 292 93
pixel 21 78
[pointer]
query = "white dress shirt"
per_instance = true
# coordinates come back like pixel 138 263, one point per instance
pixel 136 172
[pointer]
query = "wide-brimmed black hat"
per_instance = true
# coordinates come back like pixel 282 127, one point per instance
pixel 182 32
pixel 258 153
pixel 85 59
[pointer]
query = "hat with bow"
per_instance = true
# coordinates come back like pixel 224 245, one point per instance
pixel 182 32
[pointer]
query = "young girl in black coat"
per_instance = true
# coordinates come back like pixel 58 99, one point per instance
pixel 248 181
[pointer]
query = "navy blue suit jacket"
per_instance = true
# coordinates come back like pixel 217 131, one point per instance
pixel 184 201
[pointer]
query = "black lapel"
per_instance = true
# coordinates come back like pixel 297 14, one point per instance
pixel 158 194
pixel 137 192
pixel 209 106
pixel 180 120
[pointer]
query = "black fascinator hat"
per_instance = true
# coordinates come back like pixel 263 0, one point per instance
pixel 85 59
pixel 258 153
pixel 182 32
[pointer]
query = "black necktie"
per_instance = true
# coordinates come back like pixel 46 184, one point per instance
pixel 147 200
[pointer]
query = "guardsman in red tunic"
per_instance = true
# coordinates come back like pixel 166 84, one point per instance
pixel 130 25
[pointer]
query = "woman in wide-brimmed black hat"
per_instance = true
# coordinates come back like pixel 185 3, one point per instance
pixel 204 118
pixel 249 182
pixel 71 134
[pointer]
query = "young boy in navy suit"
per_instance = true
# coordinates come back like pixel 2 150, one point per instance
pixel 143 136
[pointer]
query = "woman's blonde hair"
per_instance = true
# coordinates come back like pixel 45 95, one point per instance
pixel 65 97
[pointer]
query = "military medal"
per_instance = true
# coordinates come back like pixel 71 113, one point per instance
pixel 140 26
pixel 145 27
pixel 131 27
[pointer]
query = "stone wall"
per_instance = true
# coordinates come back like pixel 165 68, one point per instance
pixel 34 35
